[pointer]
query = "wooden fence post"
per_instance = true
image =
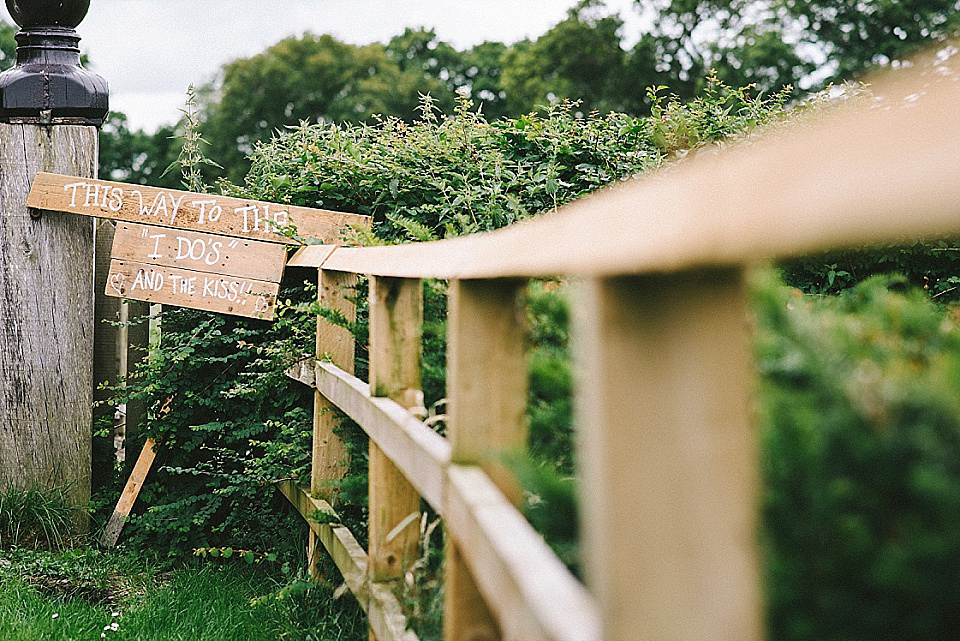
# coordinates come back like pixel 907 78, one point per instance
pixel 487 390
pixel 669 493
pixel 396 322
pixel 134 344
pixel 336 292
pixel 50 109
pixel 107 349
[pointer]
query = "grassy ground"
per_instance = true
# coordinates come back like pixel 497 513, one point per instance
pixel 89 594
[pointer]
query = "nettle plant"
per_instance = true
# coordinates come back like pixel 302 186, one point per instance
pixel 228 420
pixel 859 422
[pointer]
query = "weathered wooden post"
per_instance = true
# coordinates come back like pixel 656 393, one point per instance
pixel 50 109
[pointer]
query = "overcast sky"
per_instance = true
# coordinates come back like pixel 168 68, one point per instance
pixel 151 50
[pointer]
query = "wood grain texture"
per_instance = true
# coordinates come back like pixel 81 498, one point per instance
pixel 329 461
pixel 419 452
pixel 311 256
pixel 135 341
pixel 129 495
pixel 195 290
pixel 668 457
pixel 46 315
pixel 208 253
pixel 337 292
pixel 487 400
pixel 532 594
pixel 108 352
pixel 186 210
pixel 487 375
pixel 396 322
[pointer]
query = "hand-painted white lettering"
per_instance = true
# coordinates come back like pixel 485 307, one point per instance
pixel 143 210
pixel 281 219
pixel 93 190
pixel 116 199
pixel 199 249
pixel 183 285
pixel 246 217
pixel 160 202
pixel 156 247
pixel 176 206
pixel 213 256
pixel 116 282
pixel 73 194
pixel 148 279
pixel 213 215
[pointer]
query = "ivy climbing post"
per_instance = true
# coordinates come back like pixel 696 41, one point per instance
pixel 50 111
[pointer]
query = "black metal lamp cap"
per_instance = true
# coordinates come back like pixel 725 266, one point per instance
pixel 30 14
pixel 48 85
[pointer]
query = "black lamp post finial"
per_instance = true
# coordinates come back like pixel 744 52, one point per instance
pixel 48 85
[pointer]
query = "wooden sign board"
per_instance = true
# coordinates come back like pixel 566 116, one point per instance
pixel 196 290
pixel 199 271
pixel 185 210
pixel 211 253
pixel 201 251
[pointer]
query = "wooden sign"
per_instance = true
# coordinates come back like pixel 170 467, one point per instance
pixel 192 250
pixel 161 246
pixel 200 271
pixel 186 210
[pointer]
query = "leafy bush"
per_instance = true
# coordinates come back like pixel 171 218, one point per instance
pixel 859 417
pixel 446 176
pixel 227 419
pixel 860 423
pixel 227 422
pixel 934 266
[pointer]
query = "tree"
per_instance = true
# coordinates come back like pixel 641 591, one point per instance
pixel 136 156
pixel 744 41
pixel 873 33
pixel 318 79
pixel 775 43
pixel 8 45
pixel 580 58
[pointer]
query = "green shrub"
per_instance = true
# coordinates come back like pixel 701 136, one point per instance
pixel 860 428
pixel 227 419
pixel 859 416
pixel 933 266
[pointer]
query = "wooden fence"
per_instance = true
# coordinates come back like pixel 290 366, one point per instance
pixel 668 479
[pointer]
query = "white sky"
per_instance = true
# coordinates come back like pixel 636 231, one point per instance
pixel 150 51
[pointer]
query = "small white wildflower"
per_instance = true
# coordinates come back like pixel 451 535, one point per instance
pixel 114 626
pixel 106 627
pixel 114 614
pixel 103 635
pixel 55 615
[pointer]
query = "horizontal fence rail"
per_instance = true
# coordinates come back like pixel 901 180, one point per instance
pixel 883 172
pixel 668 477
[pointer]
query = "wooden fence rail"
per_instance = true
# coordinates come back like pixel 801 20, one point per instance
pixel 668 477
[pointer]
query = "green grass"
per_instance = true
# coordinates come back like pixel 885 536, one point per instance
pixel 92 595
pixel 35 517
